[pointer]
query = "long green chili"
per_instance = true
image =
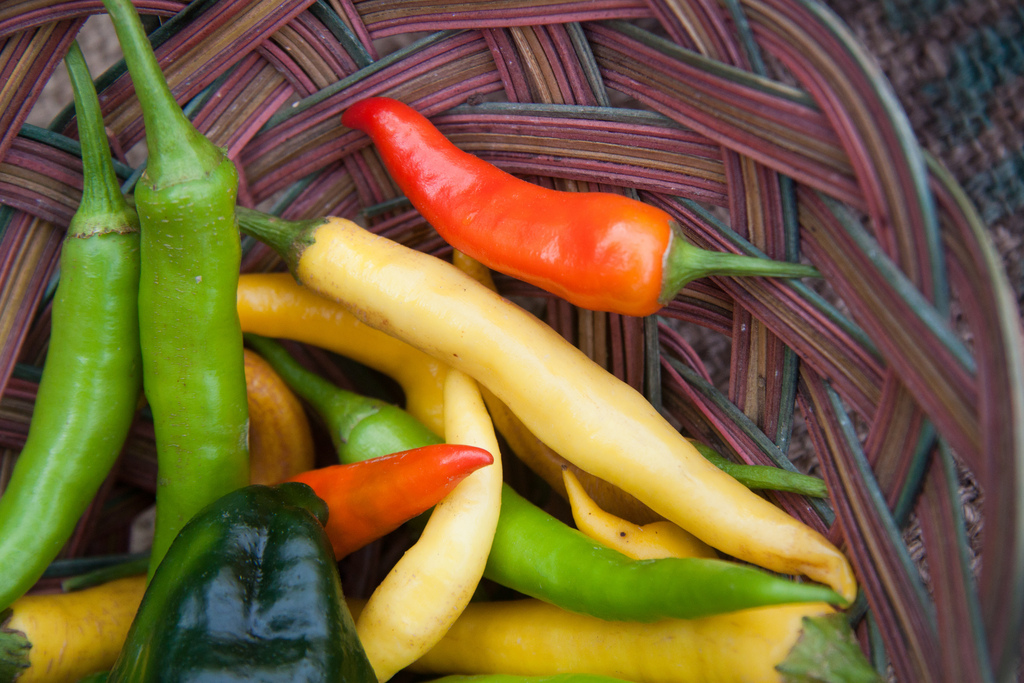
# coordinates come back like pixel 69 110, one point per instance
pixel 537 555
pixel 193 370
pixel 91 377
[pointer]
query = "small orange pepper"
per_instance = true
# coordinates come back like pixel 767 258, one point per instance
pixel 371 498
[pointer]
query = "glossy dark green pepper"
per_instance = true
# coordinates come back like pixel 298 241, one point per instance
pixel 248 590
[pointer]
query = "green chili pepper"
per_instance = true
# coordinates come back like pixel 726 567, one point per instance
pixel 360 427
pixel 92 376
pixel 249 591
pixel 764 477
pixel 193 370
pixel 537 555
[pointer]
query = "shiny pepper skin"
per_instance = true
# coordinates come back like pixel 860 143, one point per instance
pixel 597 250
pixel 248 590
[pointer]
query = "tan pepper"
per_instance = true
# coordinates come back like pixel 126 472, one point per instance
pixel 641 542
pixel 280 438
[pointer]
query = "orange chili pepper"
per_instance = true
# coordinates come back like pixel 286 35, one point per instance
pixel 371 498
pixel 598 250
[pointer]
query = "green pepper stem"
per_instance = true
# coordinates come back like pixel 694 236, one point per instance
pixel 827 652
pixel 342 410
pixel 686 262
pixel 764 477
pixel 177 151
pixel 287 238
pixel 14 647
pixel 131 567
pixel 103 208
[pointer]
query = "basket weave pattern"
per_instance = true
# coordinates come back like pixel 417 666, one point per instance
pixel 761 125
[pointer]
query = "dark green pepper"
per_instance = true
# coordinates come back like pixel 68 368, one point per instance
pixel 248 590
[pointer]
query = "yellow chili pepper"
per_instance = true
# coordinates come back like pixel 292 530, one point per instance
pixel 587 415
pixel 549 465
pixel 74 634
pixel 535 453
pixel 533 638
pixel 647 542
pixel 275 305
pixel 280 438
pixel 423 595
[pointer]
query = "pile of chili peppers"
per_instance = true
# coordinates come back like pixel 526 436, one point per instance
pixel 691 575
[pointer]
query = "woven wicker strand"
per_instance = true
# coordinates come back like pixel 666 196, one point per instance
pixel 763 126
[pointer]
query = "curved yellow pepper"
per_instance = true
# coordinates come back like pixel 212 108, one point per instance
pixel 76 634
pixel 535 453
pixel 572 404
pixel 641 542
pixel 423 595
pixel 275 305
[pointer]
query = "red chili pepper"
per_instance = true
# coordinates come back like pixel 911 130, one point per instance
pixel 598 250
pixel 371 498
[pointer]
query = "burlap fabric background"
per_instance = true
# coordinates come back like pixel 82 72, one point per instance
pixel 958 69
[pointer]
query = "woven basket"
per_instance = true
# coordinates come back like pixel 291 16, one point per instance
pixel 761 125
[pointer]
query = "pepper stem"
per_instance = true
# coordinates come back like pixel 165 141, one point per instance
pixel 764 476
pixel 14 647
pixel 827 652
pixel 287 238
pixel 177 151
pixel 686 262
pixel 103 208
